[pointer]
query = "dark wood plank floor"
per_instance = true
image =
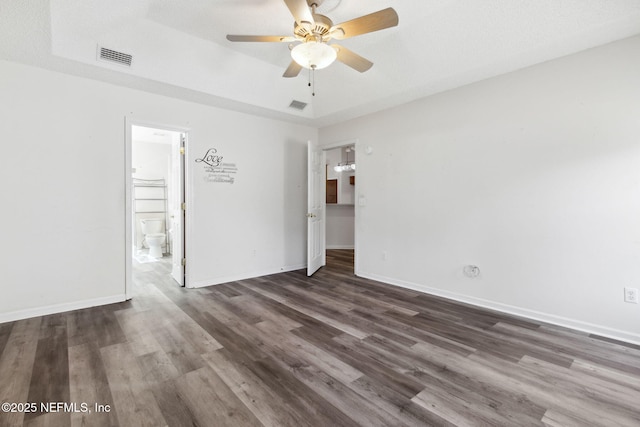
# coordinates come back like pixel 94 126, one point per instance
pixel 287 350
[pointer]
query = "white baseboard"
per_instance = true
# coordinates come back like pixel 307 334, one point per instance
pixel 244 276
pixel 340 246
pixel 566 322
pixel 59 308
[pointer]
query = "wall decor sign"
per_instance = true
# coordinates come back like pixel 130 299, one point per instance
pixel 216 169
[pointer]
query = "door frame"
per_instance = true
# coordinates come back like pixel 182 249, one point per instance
pixel 128 214
pixel 356 205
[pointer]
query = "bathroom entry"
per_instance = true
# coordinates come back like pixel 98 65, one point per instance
pixel 157 199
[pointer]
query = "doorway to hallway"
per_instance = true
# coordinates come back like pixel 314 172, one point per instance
pixel 332 215
pixel 340 215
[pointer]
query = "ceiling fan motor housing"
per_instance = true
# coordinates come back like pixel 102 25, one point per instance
pixel 320 28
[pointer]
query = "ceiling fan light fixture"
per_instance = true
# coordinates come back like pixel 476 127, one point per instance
pixel 314 55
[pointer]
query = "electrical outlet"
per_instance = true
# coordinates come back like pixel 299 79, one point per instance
pixel 384 255
pixel 631 295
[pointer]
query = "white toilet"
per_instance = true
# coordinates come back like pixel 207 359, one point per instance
pixel 153 235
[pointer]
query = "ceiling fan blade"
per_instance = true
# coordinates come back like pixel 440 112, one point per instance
pixel 300 11
pixel 293 70
pixel 376 21
pixel 352 59
pixel 276 39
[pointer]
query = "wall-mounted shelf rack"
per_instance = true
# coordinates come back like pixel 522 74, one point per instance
pixel 153 195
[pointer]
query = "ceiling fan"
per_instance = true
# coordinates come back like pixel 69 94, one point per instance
pixel 314 31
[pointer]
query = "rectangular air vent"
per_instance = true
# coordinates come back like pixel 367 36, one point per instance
pixel 298 105
pixel 109 55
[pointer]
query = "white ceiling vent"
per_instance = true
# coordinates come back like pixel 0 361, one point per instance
pixel 110 55
pixel 298 105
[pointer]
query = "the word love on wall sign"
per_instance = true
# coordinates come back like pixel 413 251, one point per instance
pixel 216 169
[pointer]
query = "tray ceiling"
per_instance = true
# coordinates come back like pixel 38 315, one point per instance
pixel 178 47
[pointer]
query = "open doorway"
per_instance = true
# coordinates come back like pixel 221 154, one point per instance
pixel 340 204
pixel 156 194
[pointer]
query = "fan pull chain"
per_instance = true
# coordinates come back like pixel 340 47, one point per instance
pixel 312 80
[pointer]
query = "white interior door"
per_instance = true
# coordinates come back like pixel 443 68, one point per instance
pixel 315 209
pixel 177 210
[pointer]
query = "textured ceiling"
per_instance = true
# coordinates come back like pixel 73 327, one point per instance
pixel 179 47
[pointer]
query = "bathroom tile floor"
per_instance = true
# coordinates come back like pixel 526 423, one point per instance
pixel 141 256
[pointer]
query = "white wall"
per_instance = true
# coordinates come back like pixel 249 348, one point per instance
pixel 340 226
pixel 256 225
pixel 533 176
pixel 332 158
pixel 151 160
pixel 63 175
